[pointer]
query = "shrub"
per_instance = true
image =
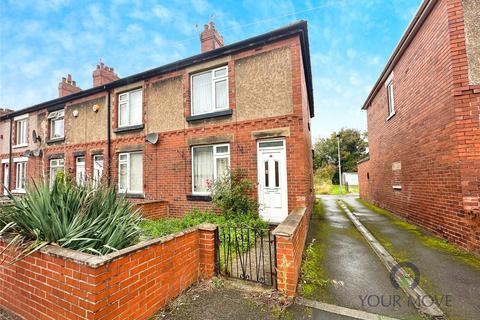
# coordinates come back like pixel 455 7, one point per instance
pixel 232 195
pixel 81 218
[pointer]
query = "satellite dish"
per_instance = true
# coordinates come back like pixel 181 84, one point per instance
pixel 152 138
pixel 35 137
pixel 37 152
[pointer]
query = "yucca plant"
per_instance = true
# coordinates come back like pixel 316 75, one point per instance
pixel 82 218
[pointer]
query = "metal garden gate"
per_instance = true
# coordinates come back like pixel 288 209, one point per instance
pixel 246 253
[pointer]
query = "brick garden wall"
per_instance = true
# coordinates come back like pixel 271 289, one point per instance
pixel 153 209
pixel 430 148
pixel 132 283
pixel 291 235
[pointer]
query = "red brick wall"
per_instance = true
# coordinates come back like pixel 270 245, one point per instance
pixel 130 285
pixel 153 209
pixel 434 135
pixel 290 245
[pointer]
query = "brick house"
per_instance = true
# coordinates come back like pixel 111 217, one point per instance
pixel 162 134
pixel 423 124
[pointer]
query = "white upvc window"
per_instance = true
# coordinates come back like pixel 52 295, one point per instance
pixel 56 166
pixel 57 120
pixel 130 108
pixel 130 172
pixel 97 170
pixel 390 96
pixel 209 163
pixel 80 171
pixel 209 91
pixel 21 124
pixel 20 174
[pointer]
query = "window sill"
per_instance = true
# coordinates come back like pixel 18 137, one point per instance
pixel 216 114
pixel 23 145
pixel 55 140
pixel 19 191
pixel 397 187
pixel 199 197
pixel 132 195
pixel 390 116
pixel 129 128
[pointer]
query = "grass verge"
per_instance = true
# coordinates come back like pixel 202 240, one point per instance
pixel 333 189
pixel 314 280
pixel 427 239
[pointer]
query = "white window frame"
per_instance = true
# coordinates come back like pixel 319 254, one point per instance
pixel 390 97
pixel 20 166
pixel 21 124
pixel 216 156
pixel 97 178
pixel 55 163
pixel 126 96
pixel 80 168
pixel 127 161
pixel 214 81
pixel 54 116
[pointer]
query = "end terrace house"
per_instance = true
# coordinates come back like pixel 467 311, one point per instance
pixel 161 135
pixel 424 124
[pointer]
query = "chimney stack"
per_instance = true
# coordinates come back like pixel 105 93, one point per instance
pixel 67 86
pixel 4 111
pixel 103 74
pixel 210 39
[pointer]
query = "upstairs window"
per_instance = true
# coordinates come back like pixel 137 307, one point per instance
pixel 390 98
pixel 209 164
pixel 56 119
pixel 130 172
pixel 130 108
pixel 21 131
pixel 209 91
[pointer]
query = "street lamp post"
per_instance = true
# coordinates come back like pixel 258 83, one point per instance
pixel 339 164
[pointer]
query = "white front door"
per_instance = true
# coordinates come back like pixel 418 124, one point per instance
pixel 5 178
pixel 272 180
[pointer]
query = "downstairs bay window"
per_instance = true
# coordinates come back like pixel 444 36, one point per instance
pixel 209 163
pixel 130 173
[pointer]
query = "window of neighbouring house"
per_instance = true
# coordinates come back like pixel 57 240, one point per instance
pixel 56 119
pixel 21 131
pixel 209 91
pixel 130 108
pixel 97 170
pixel 80 171
pixel 56 166
pixel 20 175
pixel 130 172
pixel 208 164
pixel 390 98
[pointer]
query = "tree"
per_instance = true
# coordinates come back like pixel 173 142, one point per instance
pixel 353 146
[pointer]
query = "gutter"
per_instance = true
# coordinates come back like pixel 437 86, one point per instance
pixel 423 12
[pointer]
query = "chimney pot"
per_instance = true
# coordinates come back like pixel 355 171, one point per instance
pixel 67 86
pixel 210 39
pixel 103 74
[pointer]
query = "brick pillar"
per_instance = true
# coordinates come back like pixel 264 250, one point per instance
pixel 287 274
pixel 207 250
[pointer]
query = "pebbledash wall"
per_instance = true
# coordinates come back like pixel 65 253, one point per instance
pixel 424 162
pixel 132 283
pixel 269 97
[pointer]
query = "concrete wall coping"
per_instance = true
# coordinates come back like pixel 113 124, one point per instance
pixel 290 224
pixel 95 261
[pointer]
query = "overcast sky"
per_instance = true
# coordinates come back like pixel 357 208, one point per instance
pixel 43 40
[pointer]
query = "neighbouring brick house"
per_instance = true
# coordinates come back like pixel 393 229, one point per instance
pixel 162 134
pixel 423 124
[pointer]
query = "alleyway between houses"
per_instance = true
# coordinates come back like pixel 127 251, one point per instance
pixel 349 274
